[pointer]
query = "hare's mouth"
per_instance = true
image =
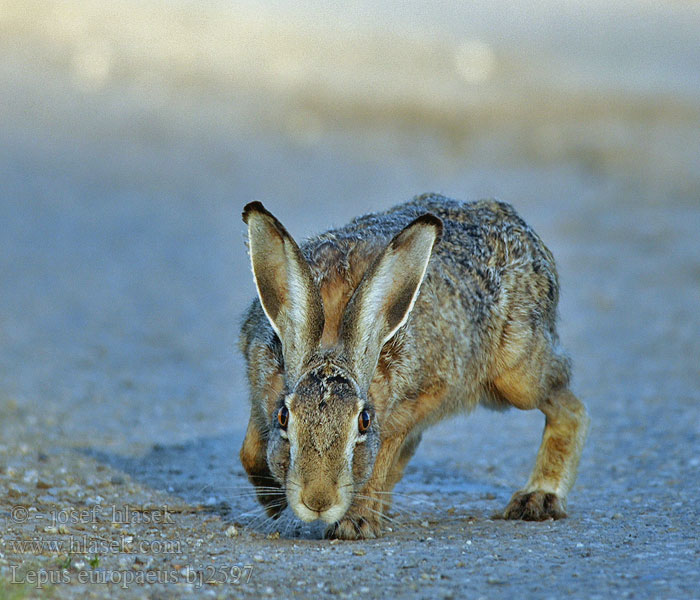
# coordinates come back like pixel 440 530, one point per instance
pixel 309 511
pixel 330 515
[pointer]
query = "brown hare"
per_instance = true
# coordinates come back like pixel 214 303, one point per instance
pixel 365 335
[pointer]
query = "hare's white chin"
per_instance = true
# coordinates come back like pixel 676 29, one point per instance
pixel 334 513
pixel 330 515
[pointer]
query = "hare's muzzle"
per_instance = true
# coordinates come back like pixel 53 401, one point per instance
pixel 318 500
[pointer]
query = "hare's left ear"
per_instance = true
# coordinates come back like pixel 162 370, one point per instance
pixel 288 294
pixel 385 296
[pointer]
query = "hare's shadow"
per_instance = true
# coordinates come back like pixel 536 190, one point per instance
pixel 207 473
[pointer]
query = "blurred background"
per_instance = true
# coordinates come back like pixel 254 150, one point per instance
pixel 132 133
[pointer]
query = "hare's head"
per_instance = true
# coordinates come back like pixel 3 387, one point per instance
pixel 323 434
pixel 323 444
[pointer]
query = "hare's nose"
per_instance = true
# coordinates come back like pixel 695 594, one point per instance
pixel 318 500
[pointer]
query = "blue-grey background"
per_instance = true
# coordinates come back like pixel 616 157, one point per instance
pixel 132 134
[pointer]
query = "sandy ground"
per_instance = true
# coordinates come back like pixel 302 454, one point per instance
pixel 123 275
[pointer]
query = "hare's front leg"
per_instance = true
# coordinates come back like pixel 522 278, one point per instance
pixel 544 496
pixel 364 519
pixel 254 458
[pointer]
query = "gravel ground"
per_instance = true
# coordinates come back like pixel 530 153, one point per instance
pixel 123 277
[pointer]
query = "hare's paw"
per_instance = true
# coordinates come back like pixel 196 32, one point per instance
pixel 534 506
pixel 355 528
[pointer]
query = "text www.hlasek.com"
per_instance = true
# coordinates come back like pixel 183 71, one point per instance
pixel 88 545
pixel 205 575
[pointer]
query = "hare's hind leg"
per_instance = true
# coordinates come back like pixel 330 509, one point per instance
pixel 541 381
pixel 544 496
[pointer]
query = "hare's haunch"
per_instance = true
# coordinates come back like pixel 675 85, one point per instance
pixel 365 335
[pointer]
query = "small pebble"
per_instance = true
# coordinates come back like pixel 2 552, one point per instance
pixel 30 476
pixel 142 562
pixel 231 531
pixel 14 491
pixel 359 552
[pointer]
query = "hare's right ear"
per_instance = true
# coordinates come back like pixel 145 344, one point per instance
pixel 290 298
pixel 385 296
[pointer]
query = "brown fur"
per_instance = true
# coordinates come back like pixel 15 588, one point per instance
pixel 482 330
pixel 335 294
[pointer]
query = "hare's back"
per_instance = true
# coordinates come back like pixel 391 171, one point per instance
pixel 498 258
pixel 486 234
pixel 485 246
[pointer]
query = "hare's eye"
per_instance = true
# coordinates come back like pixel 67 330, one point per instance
pixel 363 421
pixel 283 417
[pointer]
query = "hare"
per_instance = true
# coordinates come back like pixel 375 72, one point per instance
pixel 367 334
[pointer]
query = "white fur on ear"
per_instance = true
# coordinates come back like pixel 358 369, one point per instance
pixel 386 295
pixel 252 253
pixel 288 294
pixel 387 277
pixel 299 298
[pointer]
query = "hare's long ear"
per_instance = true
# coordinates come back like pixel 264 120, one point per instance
pixel 383 300
pixel 286 288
